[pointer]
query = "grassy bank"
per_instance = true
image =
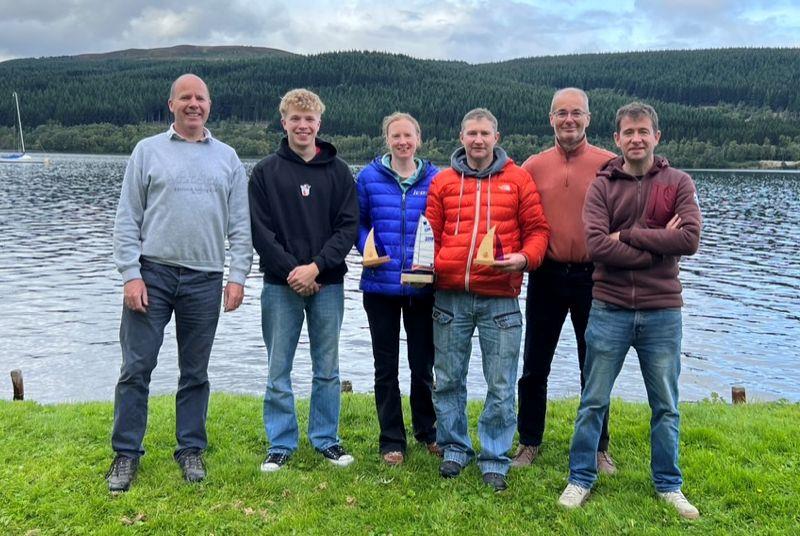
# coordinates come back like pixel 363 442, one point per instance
pixel 740 464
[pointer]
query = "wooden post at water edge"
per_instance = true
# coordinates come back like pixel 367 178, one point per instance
pixel 16 381
pixel 738 395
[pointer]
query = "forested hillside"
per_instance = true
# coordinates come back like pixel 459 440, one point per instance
pixel 744 97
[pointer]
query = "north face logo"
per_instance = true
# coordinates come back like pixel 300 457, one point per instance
pixel 504 187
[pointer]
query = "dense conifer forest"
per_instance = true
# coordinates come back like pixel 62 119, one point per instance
pixel 717 108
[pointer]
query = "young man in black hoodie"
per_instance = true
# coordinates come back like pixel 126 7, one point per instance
pixel 304 215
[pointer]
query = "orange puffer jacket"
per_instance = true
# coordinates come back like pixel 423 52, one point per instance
pixel 507 199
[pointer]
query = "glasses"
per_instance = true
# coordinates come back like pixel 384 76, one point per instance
pixel 563 114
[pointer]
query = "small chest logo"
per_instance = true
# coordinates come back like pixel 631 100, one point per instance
pixel 305 190
pixel 505 187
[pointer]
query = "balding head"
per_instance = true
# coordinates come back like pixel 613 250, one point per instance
pixel 185 78
pixel 569 91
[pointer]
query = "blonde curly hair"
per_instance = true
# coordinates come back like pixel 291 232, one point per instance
pixel 301 99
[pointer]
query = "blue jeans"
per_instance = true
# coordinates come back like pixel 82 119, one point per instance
pixel 282 313
pixel 195 298
pixel 656 336
pixel 499 323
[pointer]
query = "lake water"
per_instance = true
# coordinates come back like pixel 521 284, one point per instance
pixel 61 296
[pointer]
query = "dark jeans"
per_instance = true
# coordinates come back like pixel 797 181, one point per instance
pixel 195 298
pixel 553 290
pixel 383 314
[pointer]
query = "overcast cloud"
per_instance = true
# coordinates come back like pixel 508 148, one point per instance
pixel 470 30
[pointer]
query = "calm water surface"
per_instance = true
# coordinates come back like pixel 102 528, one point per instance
pixel 62 296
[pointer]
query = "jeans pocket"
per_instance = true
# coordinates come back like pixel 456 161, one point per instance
pixel 509 320
pixel 441 316
pixel 442 328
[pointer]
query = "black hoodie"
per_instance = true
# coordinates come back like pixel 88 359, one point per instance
pixel 302 212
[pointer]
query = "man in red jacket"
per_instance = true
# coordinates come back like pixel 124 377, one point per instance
pixel 482 190
pixel 640 216
pixel 563 283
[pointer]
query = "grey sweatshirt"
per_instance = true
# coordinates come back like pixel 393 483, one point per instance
pixel 179 201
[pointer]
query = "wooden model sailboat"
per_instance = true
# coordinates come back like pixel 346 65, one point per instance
pixel 422 264
pixel 489 249
pixel 372 258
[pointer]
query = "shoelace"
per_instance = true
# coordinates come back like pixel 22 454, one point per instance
pixel 122 464
pixel 192 461
pixel 573 492
pixel 677 497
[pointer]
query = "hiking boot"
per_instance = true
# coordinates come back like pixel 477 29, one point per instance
pixel 274 461
pixel 573 496
pixel 450 469
pixel 525 455
pixel 121 473
pixel 338 456
pixel 394 457
pixel 677 499
pixel 496 480
pixel 434 448
pixel 192 465
pixel 605 464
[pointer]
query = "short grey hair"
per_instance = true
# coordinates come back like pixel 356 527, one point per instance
pixel 561 91
pixel 635 110
pixel 477 114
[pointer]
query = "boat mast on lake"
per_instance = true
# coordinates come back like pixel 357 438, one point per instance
pixel 18 157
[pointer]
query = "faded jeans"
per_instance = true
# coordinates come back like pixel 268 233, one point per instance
pixel 656 336
pixel 499 323
pixel 282 314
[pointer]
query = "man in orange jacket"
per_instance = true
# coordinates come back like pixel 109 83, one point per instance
pixel 563 174
pixel 482 190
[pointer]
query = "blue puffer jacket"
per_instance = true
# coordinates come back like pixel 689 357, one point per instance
pixel 394 216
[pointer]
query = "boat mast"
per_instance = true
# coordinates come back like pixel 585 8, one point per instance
pixel 19 123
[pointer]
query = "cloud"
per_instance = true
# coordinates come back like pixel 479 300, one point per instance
pixel 471 30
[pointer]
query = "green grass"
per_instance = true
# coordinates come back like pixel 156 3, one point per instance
pixel 740 464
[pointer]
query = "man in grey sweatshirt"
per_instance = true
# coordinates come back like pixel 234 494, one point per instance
pixel 183 193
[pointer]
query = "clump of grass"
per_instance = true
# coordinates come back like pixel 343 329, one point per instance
pixel 740 465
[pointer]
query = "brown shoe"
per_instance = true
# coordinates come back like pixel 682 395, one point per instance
pixel 434 448
pixel 394 457
pixel 525 455
pixel 605 464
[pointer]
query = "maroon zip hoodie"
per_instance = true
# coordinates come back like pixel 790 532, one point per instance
pixel 640 270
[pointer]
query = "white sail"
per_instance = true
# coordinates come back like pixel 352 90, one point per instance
pixel 423 246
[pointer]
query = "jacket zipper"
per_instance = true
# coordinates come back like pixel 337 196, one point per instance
pixel 638 211
pixel 474 233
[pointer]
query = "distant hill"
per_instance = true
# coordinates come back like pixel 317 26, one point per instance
pixel 742 95
pixel 188 52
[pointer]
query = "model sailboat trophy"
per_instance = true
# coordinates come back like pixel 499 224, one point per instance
pixel 421 272
pixel 372 257
pixel 490 249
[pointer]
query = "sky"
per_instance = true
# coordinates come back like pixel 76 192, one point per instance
pixel 475 31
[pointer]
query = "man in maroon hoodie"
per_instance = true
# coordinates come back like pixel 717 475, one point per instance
pixel 640 216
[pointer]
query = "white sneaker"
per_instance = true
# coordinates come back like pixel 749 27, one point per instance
pixel 573 496
pixel 681 504
pixel 338 456
pixel 274 462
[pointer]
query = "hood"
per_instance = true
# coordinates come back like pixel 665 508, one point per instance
pixel 326 153
pixel 458 161
pixel 613 168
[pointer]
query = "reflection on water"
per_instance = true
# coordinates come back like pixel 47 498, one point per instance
pixel 62 296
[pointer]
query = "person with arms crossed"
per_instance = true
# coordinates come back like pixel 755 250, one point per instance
pixel 483 192
pixel 183 193
pixel 640 216
pixel 563 283
pixel 304 213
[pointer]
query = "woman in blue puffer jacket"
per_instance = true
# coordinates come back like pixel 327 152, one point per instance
pixel 392 194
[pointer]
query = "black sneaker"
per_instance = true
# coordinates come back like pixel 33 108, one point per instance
pixel 192 465
pixel 121 473
pixel 450 469
pixel 496 480
pixel 274 461
pixel 338 456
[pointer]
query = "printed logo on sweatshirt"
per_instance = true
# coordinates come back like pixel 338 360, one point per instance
pixel 305 190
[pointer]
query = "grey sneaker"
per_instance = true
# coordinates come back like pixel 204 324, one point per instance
pixel 573 496
pixel 495 480
pixel 605 464
pixel 192 465
pixel 274 462
pixel 677 499
pixel 525 455
pixel 121 473
pixel 338 456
